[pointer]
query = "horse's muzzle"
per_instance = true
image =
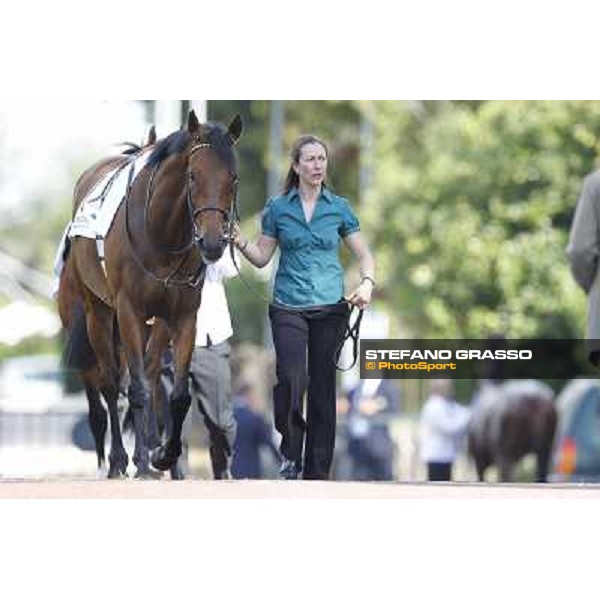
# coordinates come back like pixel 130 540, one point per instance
pixel 211 252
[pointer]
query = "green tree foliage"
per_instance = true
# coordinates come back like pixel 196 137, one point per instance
pixel 252 149
pixel 337 123
pixel 470 211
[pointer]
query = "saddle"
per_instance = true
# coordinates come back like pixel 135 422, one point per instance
pixel 93 219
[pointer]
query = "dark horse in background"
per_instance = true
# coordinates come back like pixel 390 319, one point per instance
pixel 510 420
pixel 177 216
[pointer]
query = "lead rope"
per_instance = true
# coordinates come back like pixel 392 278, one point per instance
pixel 350 333
pixel 246 283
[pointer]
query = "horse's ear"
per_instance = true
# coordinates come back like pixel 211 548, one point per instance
pixel 193 124
pixel 235 129
pixel 151 136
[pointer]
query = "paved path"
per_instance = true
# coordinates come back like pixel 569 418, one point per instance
pixel 241 490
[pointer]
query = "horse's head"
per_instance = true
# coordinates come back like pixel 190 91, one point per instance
pixel 212 183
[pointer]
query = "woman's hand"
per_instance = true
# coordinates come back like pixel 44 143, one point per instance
pixel 238 239
pixel 259 253
pixel 361 296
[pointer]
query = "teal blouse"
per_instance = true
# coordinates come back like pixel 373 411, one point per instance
pixel 309 271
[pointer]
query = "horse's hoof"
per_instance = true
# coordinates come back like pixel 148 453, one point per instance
pixel 148 474
pixel 164 458
pixel 116 473
pixel 117 466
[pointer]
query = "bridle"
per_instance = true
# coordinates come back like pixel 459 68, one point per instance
pixel 230 217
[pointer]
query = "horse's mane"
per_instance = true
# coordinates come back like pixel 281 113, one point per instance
pixel 172 144
pixel 219 139
pixel 213 133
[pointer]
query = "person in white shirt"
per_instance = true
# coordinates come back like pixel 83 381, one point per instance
pixel 210 371
pixel 443 424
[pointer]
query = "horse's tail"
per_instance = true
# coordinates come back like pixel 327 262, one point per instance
pixel 78 352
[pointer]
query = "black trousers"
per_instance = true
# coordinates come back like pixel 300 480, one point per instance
pixel 305 343
pixel 439 471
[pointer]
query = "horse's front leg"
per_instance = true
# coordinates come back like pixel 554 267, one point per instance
pixel 132 329
pixel 160 375
pixel 183 344
pixel 154 353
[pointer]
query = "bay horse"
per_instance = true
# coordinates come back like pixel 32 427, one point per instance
pixel 510 420
pixel 177 215
pixel 80 356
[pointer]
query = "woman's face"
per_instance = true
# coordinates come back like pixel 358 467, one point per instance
pixel 312 165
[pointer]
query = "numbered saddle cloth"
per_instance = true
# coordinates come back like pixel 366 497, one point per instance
pixel 97 210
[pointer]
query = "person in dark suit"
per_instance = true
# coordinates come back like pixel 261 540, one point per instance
pixel 253 434
pixel 372 404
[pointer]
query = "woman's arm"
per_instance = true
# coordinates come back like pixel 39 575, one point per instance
pixel 361 296
pixel 259 253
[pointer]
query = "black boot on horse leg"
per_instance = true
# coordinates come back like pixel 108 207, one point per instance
pixel 138 401
pixel 165 457
pixel 117 458
pixel 151 426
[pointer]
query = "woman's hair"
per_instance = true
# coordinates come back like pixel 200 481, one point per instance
pixel 292 179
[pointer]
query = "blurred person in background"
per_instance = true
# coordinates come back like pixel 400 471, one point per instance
pixel 583 251
pixel 309 312
pixel 443 425
pixel 371 404
pixel 254 434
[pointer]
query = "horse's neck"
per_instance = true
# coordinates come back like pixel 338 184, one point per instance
pixel 167 216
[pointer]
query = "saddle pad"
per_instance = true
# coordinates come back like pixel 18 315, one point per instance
pixel 97 210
